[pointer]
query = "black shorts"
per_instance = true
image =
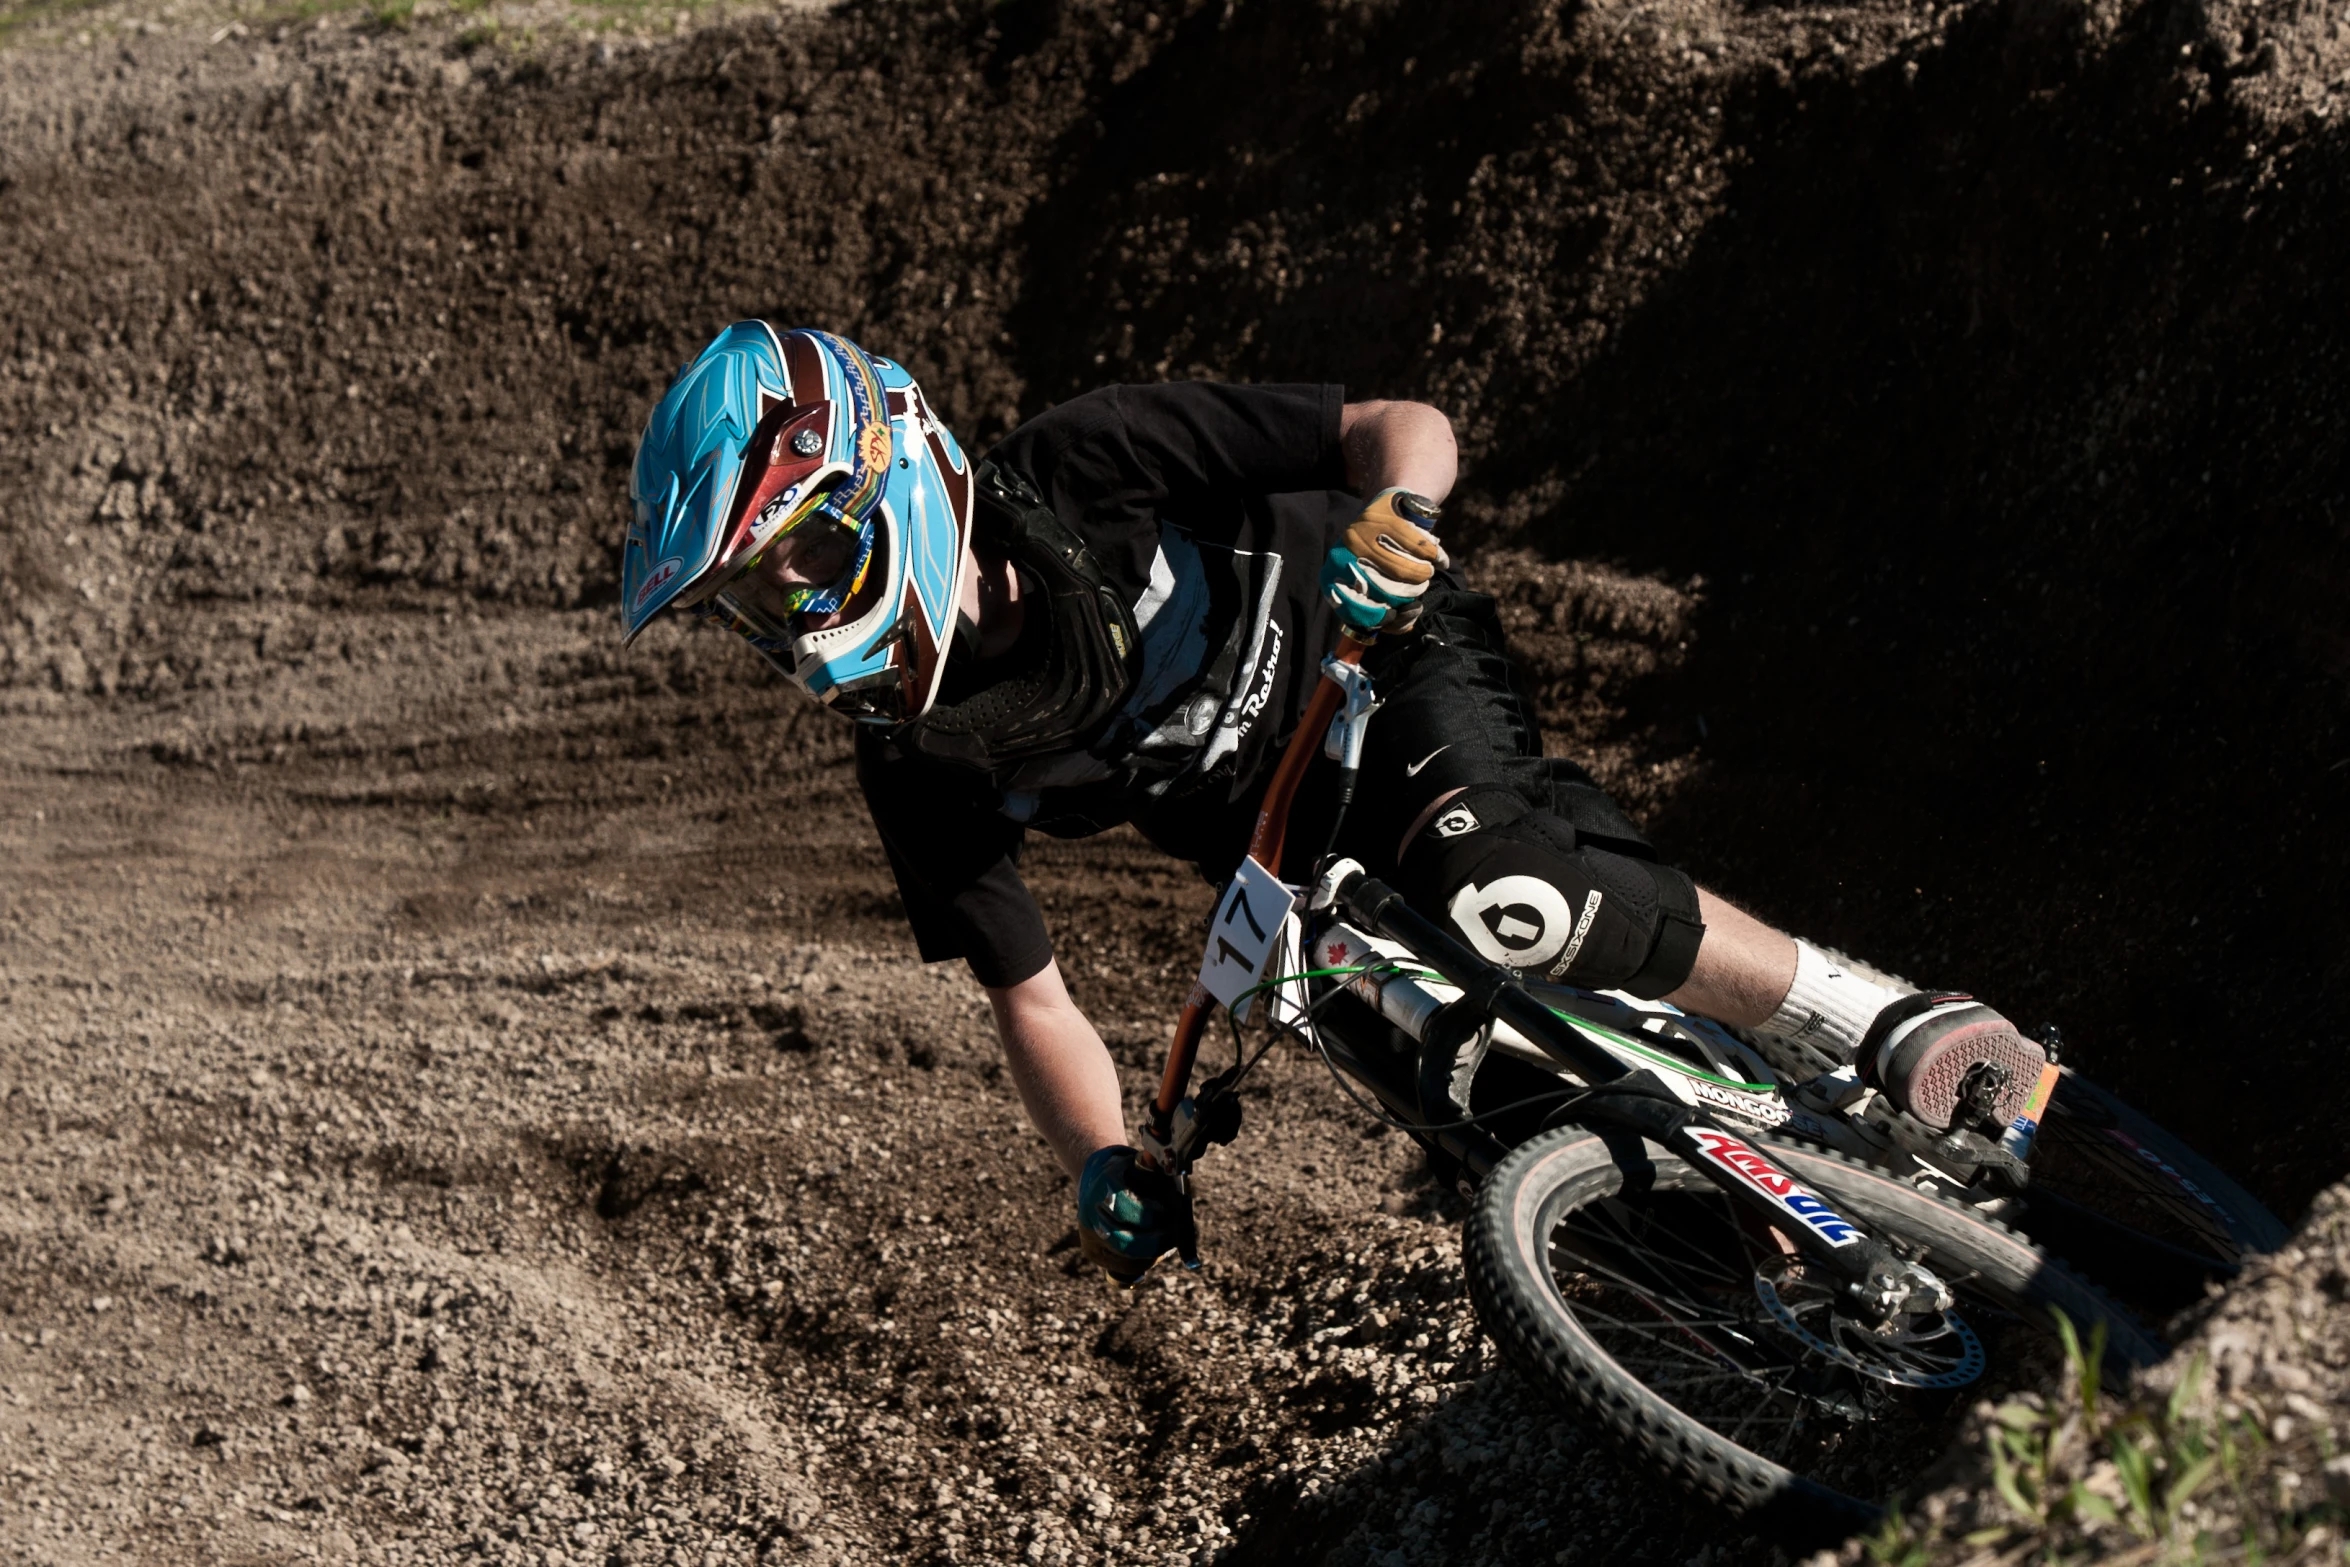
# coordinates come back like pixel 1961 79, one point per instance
pixel 1530 861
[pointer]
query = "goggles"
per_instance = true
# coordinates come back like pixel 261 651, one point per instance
pixel 791 513
pixel 759 609
pixel 794 576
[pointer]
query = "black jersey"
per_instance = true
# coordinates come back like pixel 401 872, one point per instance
pixel 1209 509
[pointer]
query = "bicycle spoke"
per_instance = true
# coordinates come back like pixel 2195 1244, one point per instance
pixel 1665 1284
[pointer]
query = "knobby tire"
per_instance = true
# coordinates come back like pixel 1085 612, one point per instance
pixel 1573 1170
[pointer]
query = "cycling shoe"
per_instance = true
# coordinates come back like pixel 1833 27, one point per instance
pixel 1920 1050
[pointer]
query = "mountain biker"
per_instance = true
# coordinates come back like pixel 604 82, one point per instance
pixel 1119 617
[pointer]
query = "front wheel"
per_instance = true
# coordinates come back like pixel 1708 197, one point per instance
pixel 1626 1280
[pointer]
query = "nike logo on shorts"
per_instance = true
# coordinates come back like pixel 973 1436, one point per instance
pixel 1413 771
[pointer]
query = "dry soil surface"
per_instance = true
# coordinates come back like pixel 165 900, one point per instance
pixel 468 1116
pixel 467 1094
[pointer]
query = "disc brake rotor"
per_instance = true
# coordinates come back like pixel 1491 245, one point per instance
pixel 1931 1350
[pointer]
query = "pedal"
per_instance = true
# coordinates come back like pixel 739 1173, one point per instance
pixel 1979 1093
pixel 1983 1163
pixel 1968 1158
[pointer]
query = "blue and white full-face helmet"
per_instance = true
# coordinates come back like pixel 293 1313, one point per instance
pixel 803 447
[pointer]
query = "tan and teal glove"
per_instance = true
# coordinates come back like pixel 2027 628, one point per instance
pixel 1384 562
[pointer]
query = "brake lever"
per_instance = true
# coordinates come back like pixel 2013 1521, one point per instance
pixel 1209 1119
pixel 1343 743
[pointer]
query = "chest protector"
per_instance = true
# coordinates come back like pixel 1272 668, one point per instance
pixel 1078 666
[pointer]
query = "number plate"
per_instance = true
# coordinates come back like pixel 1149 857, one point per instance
pixel 1245 932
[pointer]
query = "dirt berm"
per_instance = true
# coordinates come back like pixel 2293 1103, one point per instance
pixel 468 1093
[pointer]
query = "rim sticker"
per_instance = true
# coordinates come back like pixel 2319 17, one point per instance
pixel 1750 1165
pixel 2171 1170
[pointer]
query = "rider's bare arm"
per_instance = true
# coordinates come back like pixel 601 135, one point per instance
pixel 1060 1066
pixel 1398 445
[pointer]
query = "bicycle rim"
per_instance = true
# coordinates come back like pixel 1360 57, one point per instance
pixel 1666 1285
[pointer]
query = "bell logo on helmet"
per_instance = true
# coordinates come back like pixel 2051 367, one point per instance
pixel 662 575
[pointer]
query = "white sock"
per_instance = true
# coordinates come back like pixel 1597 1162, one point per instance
pixel 1828 1007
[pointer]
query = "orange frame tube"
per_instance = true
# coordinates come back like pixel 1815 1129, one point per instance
pixel 1264 847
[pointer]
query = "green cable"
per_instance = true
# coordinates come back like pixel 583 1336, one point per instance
pixel 1585 1027
pixel 1328 973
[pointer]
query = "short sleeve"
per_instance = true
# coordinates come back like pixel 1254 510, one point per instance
pixel 957 868
pixel 1197 450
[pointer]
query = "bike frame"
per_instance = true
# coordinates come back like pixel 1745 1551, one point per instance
pixel 1265 846
pixel 1879 1283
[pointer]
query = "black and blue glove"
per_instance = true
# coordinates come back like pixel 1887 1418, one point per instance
pixel 1379 568
pixel 1130 1215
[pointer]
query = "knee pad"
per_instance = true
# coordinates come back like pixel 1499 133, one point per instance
pixel 1524 893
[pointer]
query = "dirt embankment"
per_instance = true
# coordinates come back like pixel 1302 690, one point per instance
pixel 409 999
pixel 1983 361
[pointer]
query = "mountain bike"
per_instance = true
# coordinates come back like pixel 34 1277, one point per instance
pixel 1744 1260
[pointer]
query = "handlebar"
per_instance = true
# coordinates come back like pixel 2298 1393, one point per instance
pixel 1486 987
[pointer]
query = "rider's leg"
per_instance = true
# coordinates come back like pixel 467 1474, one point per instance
pixel 1540 871
pixel 1919 1045
pixel 1751 975
pixel 1525 893
pixel 1743 968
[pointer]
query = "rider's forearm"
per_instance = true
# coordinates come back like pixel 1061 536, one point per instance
pixel 1060 1066
pixel 1398 445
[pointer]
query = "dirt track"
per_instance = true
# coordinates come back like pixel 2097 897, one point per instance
pixel 432 1139
pixel 489 1139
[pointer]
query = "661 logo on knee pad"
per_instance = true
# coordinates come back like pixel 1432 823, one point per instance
pixel 1749 1165
pixel 1523 922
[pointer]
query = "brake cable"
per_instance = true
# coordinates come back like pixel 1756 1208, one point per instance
pixel 1314 1046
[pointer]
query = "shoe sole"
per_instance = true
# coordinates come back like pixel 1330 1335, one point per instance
pixel 1934 1078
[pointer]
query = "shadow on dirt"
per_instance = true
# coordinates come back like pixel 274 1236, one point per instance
pixel 1993 396
pixel 1999 410
pixel 1498 1473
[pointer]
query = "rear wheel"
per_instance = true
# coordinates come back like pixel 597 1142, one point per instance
pixel 1626 1280
pixel 2134 1207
